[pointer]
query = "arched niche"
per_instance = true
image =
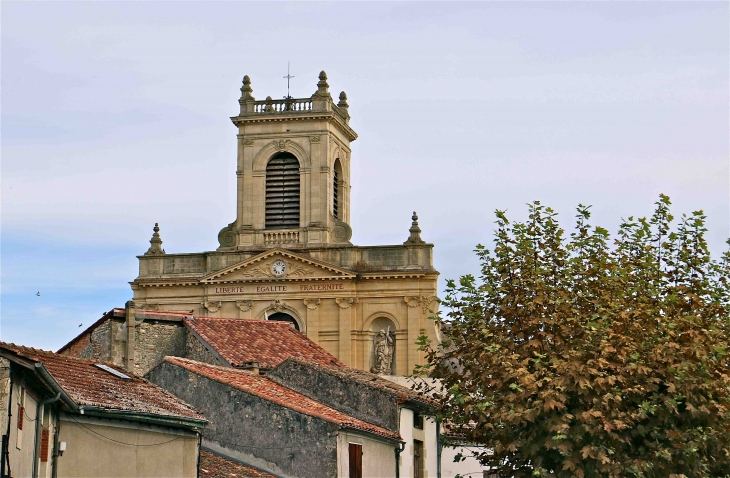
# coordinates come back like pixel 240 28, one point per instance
pixel 385 323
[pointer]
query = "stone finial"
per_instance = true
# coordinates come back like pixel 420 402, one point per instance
pixel 155 242
pixel 246 89
pixel 322 85
pixel 415 237
pixel 269 104
pixel 343 101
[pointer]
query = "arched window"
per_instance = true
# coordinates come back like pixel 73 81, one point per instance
pixel 284 317
pixel 282 191
pixel 337 189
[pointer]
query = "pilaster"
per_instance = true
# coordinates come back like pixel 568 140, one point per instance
pixel 312 318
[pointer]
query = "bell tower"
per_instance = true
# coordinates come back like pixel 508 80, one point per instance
pixel 293 170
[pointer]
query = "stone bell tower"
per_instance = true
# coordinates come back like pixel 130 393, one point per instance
pixel 293 172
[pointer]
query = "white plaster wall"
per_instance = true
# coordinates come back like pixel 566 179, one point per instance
pixel 470 467
pixel 378 458
pixel 406 432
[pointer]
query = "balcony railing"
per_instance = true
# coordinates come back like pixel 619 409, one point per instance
pixel 282 106
pixel 281 237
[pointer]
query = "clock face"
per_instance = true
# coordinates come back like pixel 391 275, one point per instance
pixel 278 268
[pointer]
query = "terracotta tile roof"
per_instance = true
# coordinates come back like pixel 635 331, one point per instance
pixel 267 389
pixel 213 465
pixel 90 386
pixel 401 393
pixel 268 342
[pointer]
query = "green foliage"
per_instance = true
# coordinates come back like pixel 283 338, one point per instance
pixel 583 356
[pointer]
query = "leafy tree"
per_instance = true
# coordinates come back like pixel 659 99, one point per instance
pixel 582 356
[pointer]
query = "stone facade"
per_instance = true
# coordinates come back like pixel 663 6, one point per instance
pixel 370 404
pixel 340 295
pixel 258 431
pixel 157 341
pixel 195 350
pixel 153 338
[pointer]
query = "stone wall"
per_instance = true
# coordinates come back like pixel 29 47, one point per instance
pixel 94 344
pixel 257 431
pixel 367 403
pixel 155 341
pixel 195 350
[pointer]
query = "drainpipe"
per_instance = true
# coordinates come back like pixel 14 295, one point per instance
pixel 56 446
pixel 197 463
pixel 438 449
pixel 38 426
pixel 6 441
pixel 401 446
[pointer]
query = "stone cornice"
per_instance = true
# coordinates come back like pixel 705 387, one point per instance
pixel 331 117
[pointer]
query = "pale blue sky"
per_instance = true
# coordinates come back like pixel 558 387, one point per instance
pixel 115 115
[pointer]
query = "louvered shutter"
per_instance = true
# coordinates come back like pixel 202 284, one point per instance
pixel 282 192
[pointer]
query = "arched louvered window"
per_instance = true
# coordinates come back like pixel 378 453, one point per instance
pixel 282 191
pixel 336 189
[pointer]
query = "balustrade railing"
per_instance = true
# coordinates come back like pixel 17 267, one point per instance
pixel 281 237
pixel 283 106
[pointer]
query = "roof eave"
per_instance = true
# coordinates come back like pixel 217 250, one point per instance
pixel 145 417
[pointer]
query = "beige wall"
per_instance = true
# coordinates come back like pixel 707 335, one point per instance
pixel 22 442
pixel 93 449
pixel 344 322
pixel 378 458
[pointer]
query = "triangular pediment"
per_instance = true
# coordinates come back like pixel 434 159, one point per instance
pixel 267 266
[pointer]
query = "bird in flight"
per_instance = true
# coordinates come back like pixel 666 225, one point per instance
pixel 80 325
pixel 38 293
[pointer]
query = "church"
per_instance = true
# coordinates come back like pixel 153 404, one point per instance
pixel 287 254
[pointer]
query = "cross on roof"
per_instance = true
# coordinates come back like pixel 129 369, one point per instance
pixel 288 77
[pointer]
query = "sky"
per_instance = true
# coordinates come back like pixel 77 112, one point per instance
pixel 115 115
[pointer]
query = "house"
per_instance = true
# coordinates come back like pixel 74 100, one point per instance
pixel 267 425
pixel 74 417
pixel 286 356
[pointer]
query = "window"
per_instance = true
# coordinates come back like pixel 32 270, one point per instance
pixel 355 453
pixel 417 420
pixel 284 317
pixel 336 186
pixel 282 191
pixel 418 471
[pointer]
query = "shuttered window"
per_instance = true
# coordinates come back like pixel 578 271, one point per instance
pixel 282 192
pixel 355 455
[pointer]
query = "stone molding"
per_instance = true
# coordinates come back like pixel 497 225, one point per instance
pixel 244 305
pixel 427 301
pixel 346 303
pixel 280 145
pixel 213 308
pixel 315 138
pixel 312 304
pixel 412 301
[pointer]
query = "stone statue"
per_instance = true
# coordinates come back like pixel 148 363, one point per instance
pixel 384 346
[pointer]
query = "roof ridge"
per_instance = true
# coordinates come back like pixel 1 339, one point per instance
pixel 366 378
pixel 339 417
